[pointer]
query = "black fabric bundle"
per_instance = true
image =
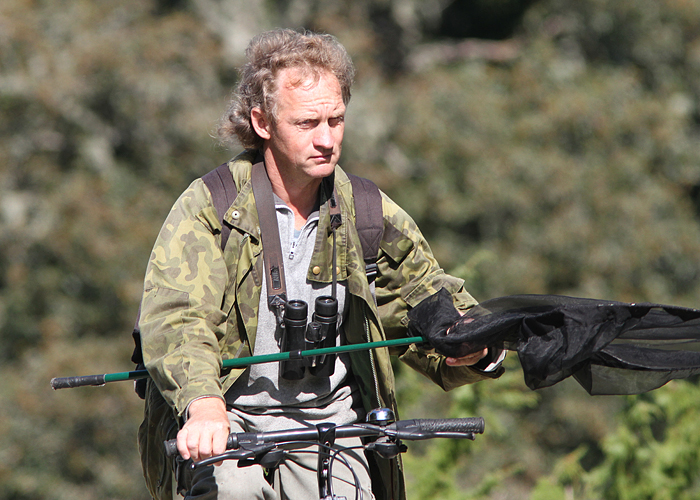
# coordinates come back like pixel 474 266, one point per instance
pixel 609 347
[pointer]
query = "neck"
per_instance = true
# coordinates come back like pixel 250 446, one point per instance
pixel 299 193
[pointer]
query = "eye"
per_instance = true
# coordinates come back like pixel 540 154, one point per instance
pixel 308 123
pixel 336 120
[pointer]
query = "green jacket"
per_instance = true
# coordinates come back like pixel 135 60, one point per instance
pixel 200 305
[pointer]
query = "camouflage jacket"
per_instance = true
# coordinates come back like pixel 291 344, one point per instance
pixel 200 304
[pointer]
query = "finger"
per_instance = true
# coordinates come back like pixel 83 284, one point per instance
pixel 219 440
pixel 182 444
pixel 204 447
pixel 467 360
pixel 458 362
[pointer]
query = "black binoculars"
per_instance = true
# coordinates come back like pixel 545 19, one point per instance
pixel 298 336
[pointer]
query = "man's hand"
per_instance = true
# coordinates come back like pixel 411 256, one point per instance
pixel 468 360
pixel 206 430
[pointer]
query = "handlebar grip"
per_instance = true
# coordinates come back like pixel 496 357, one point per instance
pixel 170 448
pixel 474 425
pixel 171 445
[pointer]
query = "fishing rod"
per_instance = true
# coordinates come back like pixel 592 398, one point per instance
pixel 99 380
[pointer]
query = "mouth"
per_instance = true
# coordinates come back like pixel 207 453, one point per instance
pixel 323 158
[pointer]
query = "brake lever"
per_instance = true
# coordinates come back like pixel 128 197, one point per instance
pixel 387 448
pixel 247 454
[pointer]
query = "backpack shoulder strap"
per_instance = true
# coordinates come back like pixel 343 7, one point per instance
pixel 223 192
pixel 369 221
pixel 369 217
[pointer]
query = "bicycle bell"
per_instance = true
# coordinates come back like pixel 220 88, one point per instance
pixel 381 416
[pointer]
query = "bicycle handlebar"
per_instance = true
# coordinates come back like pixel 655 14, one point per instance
pixel 410 430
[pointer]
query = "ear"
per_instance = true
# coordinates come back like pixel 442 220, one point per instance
pixel 261 124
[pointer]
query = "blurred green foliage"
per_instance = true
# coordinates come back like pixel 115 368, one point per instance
pixel 543 147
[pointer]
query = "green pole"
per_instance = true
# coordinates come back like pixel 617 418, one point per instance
pixel 97 380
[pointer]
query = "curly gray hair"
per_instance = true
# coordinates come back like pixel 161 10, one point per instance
pixel 267 54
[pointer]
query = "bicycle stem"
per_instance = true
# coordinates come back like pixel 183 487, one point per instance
pixel 99 380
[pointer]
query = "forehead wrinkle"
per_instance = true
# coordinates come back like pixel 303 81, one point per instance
pixel 304 77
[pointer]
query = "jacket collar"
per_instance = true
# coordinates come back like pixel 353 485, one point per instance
pixel 243 216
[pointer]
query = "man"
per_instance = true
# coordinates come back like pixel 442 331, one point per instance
pixel 202 304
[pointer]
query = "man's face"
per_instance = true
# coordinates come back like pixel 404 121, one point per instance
pixel 305 140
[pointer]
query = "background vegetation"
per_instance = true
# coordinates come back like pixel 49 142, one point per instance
pixel 544 146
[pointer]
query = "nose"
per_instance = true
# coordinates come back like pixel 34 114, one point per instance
pixel 323 138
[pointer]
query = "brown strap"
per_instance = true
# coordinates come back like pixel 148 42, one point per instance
pixel 369 221
pixel 223 192
pixel 269 233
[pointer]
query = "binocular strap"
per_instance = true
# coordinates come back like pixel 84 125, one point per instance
pixel 270 236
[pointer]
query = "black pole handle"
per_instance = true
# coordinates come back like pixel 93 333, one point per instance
pixel 69 382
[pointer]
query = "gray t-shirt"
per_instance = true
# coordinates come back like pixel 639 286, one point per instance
pixel 260 390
